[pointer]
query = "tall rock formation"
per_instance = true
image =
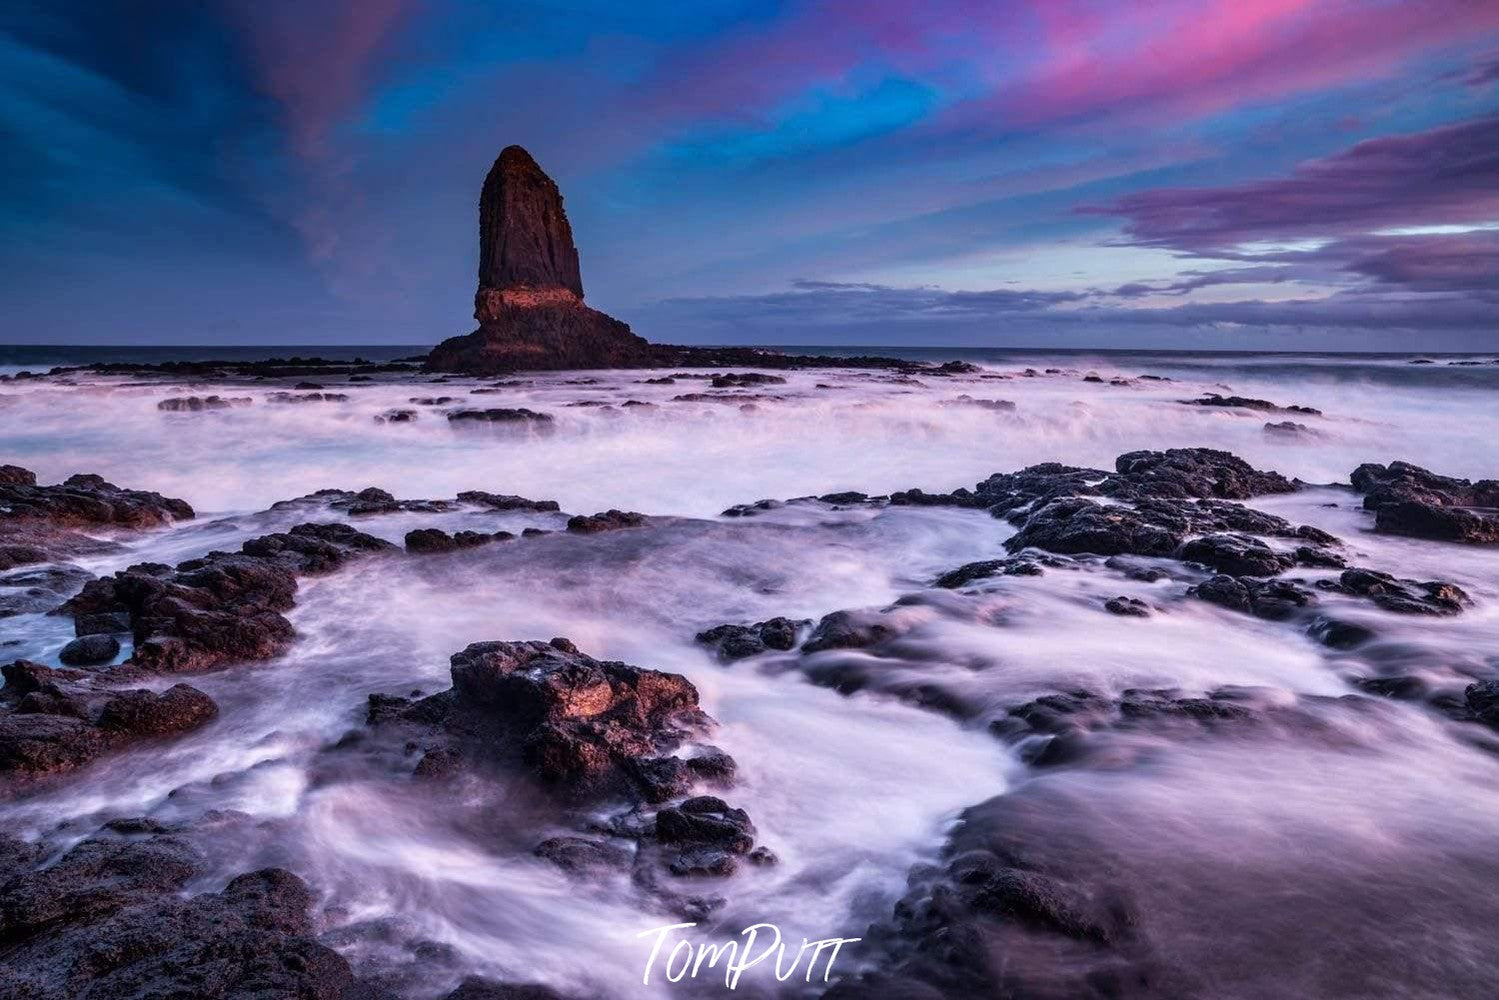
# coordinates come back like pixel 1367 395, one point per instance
pixel 530 299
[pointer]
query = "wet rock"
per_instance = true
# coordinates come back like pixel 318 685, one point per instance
pixel 36 744
pixel 1127 607
pixel 583 727
pixel 704 836
pixel 740 380
pixel 1335 633
pixel 195 404
pixel 580 854
pixel 609 520
pixel 1192 472
pixel 1406 597
pixel 752 509
pixel 84 501
pixel 1026 564
pixel 140 940
pixel 1482 699
pixel 1289 430
pixel 505 501
pixel 179 709
pixel 1248 403
pixel 224 606
pixel 1398 688
pixel 1077 525
pixel 307 397
pixel 1236 555
pixel 474 988
pixel 1409 500
pixel 428 540
pixel 997 405
pixel 735 642
pixel 514 417
pixel 396 416
pixel 1003 492
pixel 848 630
pixel 368 502
pixel 1276 600
pixel 53 721
pixel 90 649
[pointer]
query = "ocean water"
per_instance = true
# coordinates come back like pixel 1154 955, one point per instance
pixel 1268 862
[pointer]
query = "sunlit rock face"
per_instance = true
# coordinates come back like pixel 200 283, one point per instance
pixel 529 303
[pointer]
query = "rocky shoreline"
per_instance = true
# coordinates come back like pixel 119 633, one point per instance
pixel 594 734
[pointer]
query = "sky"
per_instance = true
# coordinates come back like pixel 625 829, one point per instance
pixel 1246 174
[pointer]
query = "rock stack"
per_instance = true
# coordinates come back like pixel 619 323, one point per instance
pixel 530 298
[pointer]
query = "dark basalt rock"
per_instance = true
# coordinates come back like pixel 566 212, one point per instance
pixel 84 501
pixel 1236 555
pixel 307 397
pixel 735 642
pixel 474 988
pixel 1406 597
pixel 704 836
pixel 396 416
pixel 1003 492
pixel 517 416
pixel 52 721
pixel 1248 403
pixel 367 502
pixel 1276 600
pixel 1192 472
pixel 195 404
pixel 505 501
pixel 848 630
pixel 108 921
pixel 740 380
pixel 89 649
pixel 609 520
pixel 1076 525
pixel 530 298
pixel 1409 500
pixel 997 405
pixel 583 727
pixel 1482 699
pixel 525 240
pixel 582 854
pixel 224 606
pixel 1290 430
pixel 1127 607
pixel 1027 564
pixel 432 540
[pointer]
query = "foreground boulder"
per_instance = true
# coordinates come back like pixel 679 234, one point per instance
pixel 583 727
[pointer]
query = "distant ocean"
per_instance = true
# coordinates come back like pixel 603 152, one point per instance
pixel 1446 369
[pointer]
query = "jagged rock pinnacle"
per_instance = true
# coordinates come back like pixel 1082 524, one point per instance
pixel 524 238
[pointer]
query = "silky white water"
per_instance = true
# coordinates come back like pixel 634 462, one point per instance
pixel 849 790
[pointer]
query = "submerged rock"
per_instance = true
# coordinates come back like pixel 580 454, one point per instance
pixel 195 404
pixel 735 642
